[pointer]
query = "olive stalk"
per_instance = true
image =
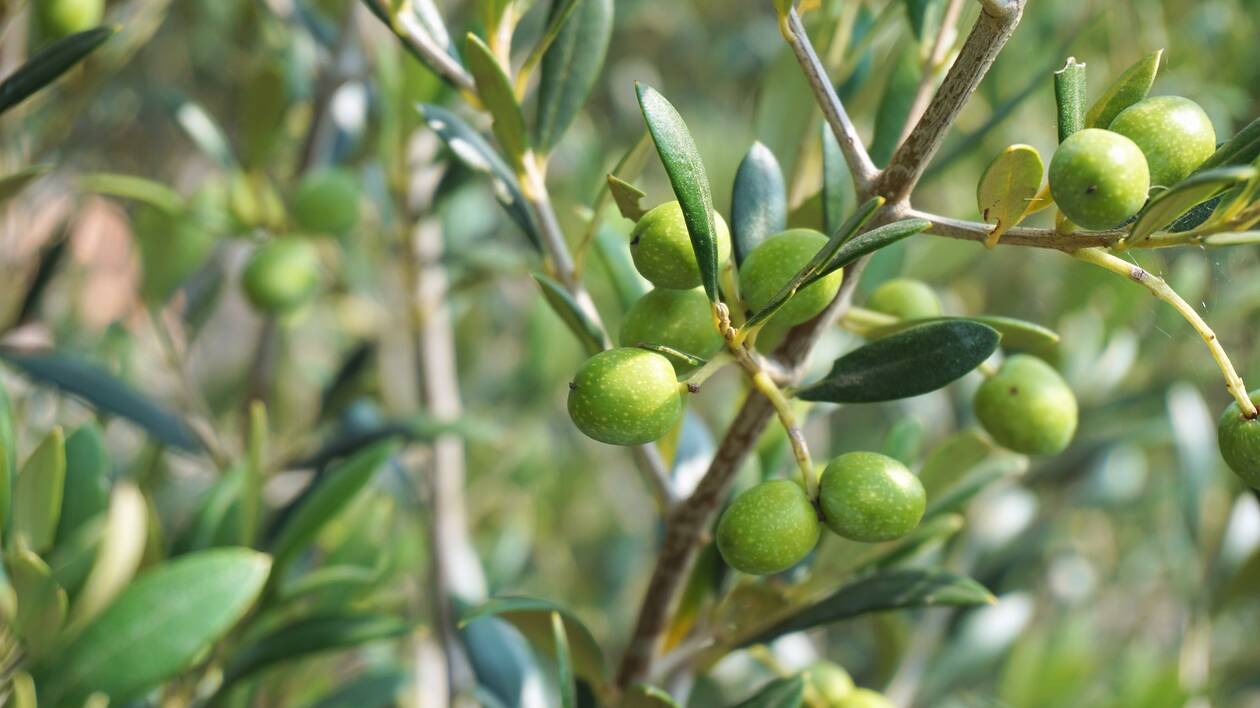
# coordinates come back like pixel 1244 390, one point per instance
pixel 1160 289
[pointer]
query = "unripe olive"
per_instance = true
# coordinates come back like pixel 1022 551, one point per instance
pixel 869 497
pixel 905 299
pixel 1027 407
pixel 678 319
pixel 625 396
pixel 773 264
pixel 865 698
pixel 1239 439
pixel 826 685
pixel 661 247
pixel 1174 133
pixel 769 528
pixel 1099 178
pixel 327 201
pixel 58 18
pixel 282 275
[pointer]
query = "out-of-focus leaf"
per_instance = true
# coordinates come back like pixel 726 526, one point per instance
pixel 1069 94
pixel 209 526
pixel 925 18
pixel 532 617
pixel 41 603
pixel 12 184
pixel 333 579
pixel 311 635
pixel 687 176
pixel 870 242
pixel 642 695
pixel 24 691
pixel 1016 334
pixel 614 252
pixel 785 692
pixel 1167 206
pixel 204 131
pixel 8 456
pixel 1007 188
pixel 173 246
pixel 627 197
pixel 963 465
pixel 51 62
pixel 562 303
pixel 895 105
pixel 51 257
pixel 885 590
pixel 564 662
pixel 495 90
pixel 86 492
pixel 758 201
pixel 118 557
pixel 147 191
pixel 1131 87
pixel 500 658
pixel 101 390
pixel 571 65
pixel 473 151
pixel 262 124
pixel 375 687
pixel 909 363
pixel 158 626
pixel 37 496
pixel 838 196
pixel 1238 150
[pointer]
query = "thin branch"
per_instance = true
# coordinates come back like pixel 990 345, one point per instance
pixel 860 164
pixel 994 26
pixel 1018 236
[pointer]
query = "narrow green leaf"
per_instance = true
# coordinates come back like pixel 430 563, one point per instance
pixel 564 663
pixel 155 194
pixel 8 457
pixel 334 493
pixel 217 520
pixel 894 105
pixel 870 242
pixel 51 62
pixel 1007 188
pixel 159 625
pixel 1168 205
pixel 118 556
pixel 532 617
pixel 41 602
pixel 758 201
pixel 340 580
pixel 897 589
pixel 495 90
pixel 37 497
pixel 642 695
pixel 571 65
pixel 1016 334
pixel 784 692
pixel 909 363
pixel 204 131
pixel 563 304
pixel 614 253
pixel 1238 150
pixel 477 155
pixel 627 197
pixel 309 636
pixel 12 184
pixel 1239 238
pixel 101 390
pixel 86 493
pixel 1131 87
pixel 838 196
pixel 687 176
pixel 1069 95
pixel 375 687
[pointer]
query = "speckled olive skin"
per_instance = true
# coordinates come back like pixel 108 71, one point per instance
pixel 625 396
pixel 768 528
pixel 1099 178
pixel 679 319
pixel 1174 133
pixel 1027 407
pixel 1239 439
pixel 327 201
pixel 661 247
pixel 282 275
pixel 869 497
pixel 773 263
pixel 58 18
pixel 826 685
pixel 864 698
pixel 905 299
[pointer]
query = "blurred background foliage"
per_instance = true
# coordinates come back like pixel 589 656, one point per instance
pixel 1125 569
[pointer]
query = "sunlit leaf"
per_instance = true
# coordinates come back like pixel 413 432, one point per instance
pixel 38 493
pixel 1131 87
pixel 1168 205
pixel 571 65
pixel 1007 188
pixel 1238 150
pixel 627 197
pixel 495 90
pixel 118 556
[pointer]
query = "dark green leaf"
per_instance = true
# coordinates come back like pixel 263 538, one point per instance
pixel 86 493
pixel 159 625
pixel 51 62
pixel 785 692
pixel 532 617
pixel 885 590
pixel 1169 205
pixel 564 662
pixel 37 497
pixel 838 196
pixel 909 363
pixel 101 390
pixel 642 695
pixel 687 176
pixel 1238 150
pixel 562 303
pixel 571 66
pixel 1131 87
pixel 894 106
pixel 473 151
pixel 308 636
pixel 758 201
pixel 1016 334
pixel 495 90
pixel 1069 94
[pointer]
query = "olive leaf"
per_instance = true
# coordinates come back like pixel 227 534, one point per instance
pixel 614 253
pixel 686 173
pixel 147 191
pixel 1131 87
pixel 307 636
pixel 564 662
pixel 758 201
pixel 477 155
pixel 838 196
pixel 690 360
pixel 562 303
pixel 910 363
pixel 494 88
pixel 50 63
pixel 627 197
pixel 1240 149
pixel 783 692
pixel 1016 334
pixel 571 64
pixel 1169 205
pixel 41 602
pixel 924 17
pixel 532 617
pixel 961 467
pixel 641 695
pixel 895 104
pixel 1007 189
pixel 204 131
pixel 38 492
pixel 86 493
pixel 1069 96
pixel 118 555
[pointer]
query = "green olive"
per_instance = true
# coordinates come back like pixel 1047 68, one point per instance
pixel 769 528
pixel 773 264
pixel 625 396
pixel 869 497
pixel 1174 133
pixel 58 18
pixel 905 298
pixel 1027 407
pixel 1099 178
pixel 1239 439
pixel 826 685
pixel 282 275
pixel 864 698
pixel 661 247
pixel 678 319
pixel 327 201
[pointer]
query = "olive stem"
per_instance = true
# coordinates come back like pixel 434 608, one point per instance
pixel 711 367
pixel 1160 289
pixel 783 409
pixel 861 321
